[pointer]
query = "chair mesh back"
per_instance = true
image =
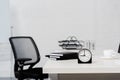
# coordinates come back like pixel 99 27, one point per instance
pixel 25 48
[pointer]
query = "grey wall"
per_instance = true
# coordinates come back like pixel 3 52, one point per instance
pixel 48 21
pixel 4 30
pixel 5 68
pixel 4 21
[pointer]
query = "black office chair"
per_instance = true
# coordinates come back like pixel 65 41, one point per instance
pixel 119 49
pixel 26 54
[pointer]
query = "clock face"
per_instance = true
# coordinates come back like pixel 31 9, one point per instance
pixel 84 55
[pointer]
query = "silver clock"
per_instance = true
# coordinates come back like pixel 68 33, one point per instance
pixel 85 56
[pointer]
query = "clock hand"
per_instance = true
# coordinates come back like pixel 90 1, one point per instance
pixel 84 52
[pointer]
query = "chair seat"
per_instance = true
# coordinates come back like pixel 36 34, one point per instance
pixel 31 73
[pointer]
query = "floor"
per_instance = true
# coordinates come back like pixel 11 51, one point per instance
pixel 16 79
pixel 7 79
pixel 5 69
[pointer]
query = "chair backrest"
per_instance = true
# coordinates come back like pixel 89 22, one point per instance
pixel 25 47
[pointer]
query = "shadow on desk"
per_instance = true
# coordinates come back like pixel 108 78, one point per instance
pixel 99 76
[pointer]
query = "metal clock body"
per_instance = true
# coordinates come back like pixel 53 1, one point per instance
pixel 85 56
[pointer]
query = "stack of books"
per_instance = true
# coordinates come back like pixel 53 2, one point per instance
pixel 62 55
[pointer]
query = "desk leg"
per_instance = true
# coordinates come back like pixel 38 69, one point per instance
pixel 53 76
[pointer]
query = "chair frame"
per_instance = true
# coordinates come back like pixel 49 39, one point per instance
pixel 119 49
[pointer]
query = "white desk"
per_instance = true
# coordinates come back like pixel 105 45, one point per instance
pixel 72 67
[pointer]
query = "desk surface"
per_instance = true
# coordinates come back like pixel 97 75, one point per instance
pixel 98 65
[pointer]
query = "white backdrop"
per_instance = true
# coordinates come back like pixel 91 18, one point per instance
pixel 48 21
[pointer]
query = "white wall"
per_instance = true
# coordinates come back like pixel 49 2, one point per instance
pixel 107 24
pixel 48 21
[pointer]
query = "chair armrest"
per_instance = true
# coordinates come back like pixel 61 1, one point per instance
pixel 22 60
